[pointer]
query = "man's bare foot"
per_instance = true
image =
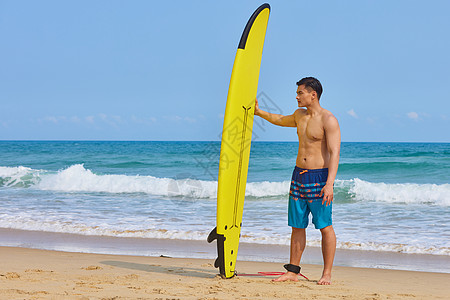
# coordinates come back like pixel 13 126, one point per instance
pixel 288 276
pixel 325 280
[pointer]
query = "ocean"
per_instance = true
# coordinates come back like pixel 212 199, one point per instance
pixel 389 197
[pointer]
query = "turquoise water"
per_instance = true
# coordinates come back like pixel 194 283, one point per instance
pixel 388 196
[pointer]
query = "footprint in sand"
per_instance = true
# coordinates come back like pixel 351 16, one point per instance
pixel 11 275
pixel 91 268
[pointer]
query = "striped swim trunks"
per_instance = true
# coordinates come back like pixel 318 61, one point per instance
pixel 304 198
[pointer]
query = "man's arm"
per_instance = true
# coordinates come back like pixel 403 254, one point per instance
pixel 333 136
pixel 276 119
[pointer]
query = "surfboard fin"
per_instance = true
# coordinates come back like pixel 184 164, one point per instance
pixel 212 235
pixel 220 261
pixel 216 263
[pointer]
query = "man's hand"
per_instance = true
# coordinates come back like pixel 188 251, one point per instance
pixel 256 107
pixel 327 193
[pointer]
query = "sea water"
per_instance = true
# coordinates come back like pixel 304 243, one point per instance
pixel 389 197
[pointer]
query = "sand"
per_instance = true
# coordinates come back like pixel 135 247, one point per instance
pixel 41 274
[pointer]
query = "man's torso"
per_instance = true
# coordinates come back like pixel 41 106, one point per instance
pixel 312 151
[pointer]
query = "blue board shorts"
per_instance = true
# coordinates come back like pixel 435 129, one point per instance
pixel 304 198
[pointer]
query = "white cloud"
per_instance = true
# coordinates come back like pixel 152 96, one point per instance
pixel 53 119
pixel 89 119
pixel 352 113
pixel 143 121
pixel 180 119
pixel 190 120
pixel 103 117
pixel 413 115
pixel 111 120
pixel 75 119
pixel 117 119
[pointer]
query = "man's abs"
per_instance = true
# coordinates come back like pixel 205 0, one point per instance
pixel 312 156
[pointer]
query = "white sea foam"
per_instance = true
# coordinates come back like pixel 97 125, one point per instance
pixel 77 178
pixel 267 189
pixel 18 176
pixel 58 226
pixel 394 247
pixel 400 193
pixel 14 171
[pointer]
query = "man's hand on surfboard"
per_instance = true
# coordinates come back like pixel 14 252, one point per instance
pixel 256 107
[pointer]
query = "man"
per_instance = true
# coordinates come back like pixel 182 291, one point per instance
pixel 314 174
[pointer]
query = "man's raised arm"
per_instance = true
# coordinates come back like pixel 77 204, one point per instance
pixel 276 119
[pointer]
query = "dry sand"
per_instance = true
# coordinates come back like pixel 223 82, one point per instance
pixel 41 274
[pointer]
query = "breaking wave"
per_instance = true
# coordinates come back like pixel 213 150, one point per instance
pixel 77 178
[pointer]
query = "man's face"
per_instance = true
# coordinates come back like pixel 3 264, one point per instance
pixel 304 96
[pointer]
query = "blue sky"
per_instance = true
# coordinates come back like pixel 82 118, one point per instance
pixel 147 70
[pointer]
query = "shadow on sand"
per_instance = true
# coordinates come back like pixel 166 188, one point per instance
pixel 182 271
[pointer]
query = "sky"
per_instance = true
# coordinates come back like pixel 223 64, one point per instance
pixel 160 70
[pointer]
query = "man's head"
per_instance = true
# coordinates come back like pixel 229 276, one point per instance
pixel 311 84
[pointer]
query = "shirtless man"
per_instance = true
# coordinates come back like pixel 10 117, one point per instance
pixel 313 178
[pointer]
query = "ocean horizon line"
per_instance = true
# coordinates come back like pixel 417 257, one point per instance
pixel 209 141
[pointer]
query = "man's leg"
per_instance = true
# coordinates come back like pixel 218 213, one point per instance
pixel 298 243
pixel 328 251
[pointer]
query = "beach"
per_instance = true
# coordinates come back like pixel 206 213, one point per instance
pixel 43 274
pixel 128 172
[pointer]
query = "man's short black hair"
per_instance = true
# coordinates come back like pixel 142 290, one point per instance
pixel 312 83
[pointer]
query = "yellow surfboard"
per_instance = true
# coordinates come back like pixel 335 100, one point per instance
pixel 236 141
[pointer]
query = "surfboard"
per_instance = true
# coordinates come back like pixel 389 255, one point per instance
pixel 236 141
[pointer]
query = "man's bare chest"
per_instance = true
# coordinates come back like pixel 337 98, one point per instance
pixel 310 129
